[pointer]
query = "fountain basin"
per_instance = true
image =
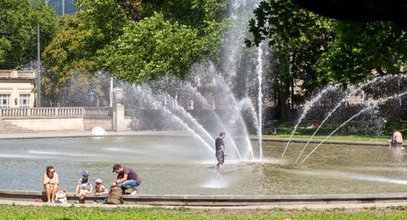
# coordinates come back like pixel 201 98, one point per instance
pixel 181 165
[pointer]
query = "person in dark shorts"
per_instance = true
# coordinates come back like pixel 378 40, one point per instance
pixel 220 150
pixel 396 139
pixel 127 177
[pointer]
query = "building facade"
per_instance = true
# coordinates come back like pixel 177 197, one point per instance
pixel 63 7
pixel 17 88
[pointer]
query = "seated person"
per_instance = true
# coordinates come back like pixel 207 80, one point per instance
pixel 84 187
pixel 100 190
pixel 50 180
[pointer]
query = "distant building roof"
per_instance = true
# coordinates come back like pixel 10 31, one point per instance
pixel 62 7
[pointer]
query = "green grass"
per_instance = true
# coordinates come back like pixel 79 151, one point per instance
pixel 73 212
pixel 284 131
pixel 345 138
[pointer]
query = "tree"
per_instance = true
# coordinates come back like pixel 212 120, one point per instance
pixel 318 50
pixel 66 55
pixel 364 50
pixel 298 37
pixel 151 48
pixel 119 35
pixel 18 31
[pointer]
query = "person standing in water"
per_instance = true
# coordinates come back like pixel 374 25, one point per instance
pixel 396 139
pixel 220 150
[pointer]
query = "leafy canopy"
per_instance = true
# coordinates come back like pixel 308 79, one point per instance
pixel 138 40
pixel 151 47
pixel 18 31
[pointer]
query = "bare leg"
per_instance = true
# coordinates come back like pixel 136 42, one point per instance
pixel 48 192
pixel 54 192
pixel 219 167
pixel 82 198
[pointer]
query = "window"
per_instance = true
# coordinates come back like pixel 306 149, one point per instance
pixel 24 100
pixel 4 101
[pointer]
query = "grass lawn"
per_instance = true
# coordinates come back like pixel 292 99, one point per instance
pixel 55 212
pixel 345 138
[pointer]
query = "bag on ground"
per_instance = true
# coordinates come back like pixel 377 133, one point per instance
pixel 61 197
pixel 115 195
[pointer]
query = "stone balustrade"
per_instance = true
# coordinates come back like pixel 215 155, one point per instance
pixel 92 112
pixel 66 118
pixel 42 112
pixel 98 112
pixel 17 74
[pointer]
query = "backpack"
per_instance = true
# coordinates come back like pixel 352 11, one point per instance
pixel 61 197
pixel 115 195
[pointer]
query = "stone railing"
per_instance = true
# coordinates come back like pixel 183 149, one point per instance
pixel 52 112
pixel 98 112
pixel 42 112
pixel 22 74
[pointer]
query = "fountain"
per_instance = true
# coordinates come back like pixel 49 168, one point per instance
pixel 368 108
pixel 174 154
pixel 209 101
pixel 316 99
pixel 351 92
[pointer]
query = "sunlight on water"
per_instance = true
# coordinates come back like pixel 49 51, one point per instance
pixel 346 175
pixel 216 182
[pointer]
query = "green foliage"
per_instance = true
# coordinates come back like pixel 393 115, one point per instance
pixel 137 41
pixel 194 13
pixel 105 20
pixel 152 47
pixel 297 37
pixel 5 45
pixel 338 51
pixel 67 53
pixel 18 31
pixel 364 50
pixel 314 50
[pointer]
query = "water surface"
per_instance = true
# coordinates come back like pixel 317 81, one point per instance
pixel 181 165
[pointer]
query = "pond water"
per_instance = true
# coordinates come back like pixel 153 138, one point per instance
pixel 179 165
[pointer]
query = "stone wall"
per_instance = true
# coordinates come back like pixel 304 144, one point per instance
pixel 105 123
pixel 48 124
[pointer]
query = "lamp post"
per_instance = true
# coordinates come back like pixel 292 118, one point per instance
pixel 63 7
pixel 111 92
pixel 38 67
